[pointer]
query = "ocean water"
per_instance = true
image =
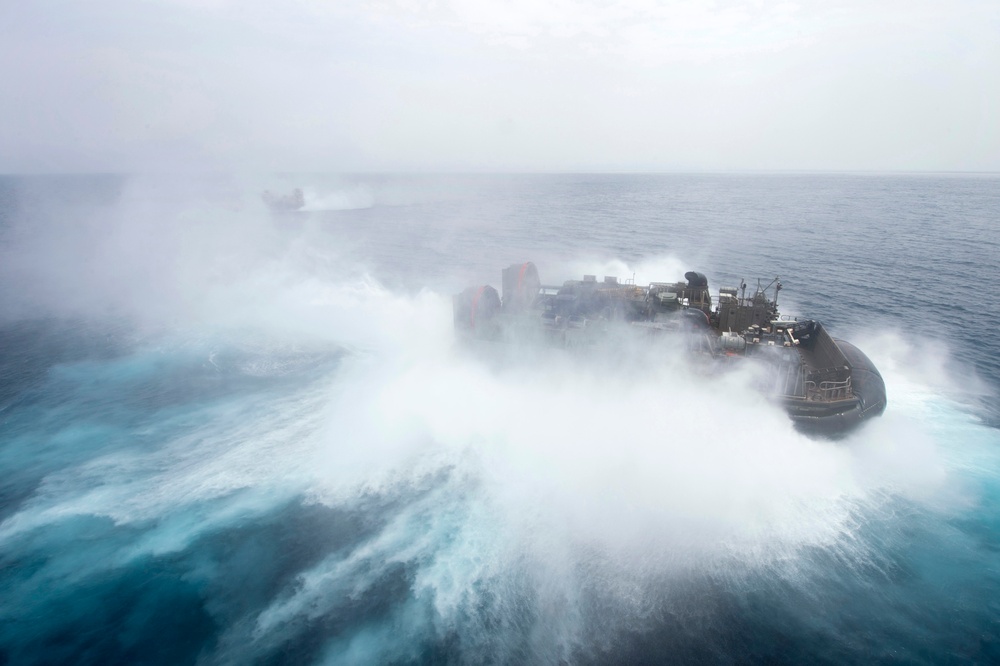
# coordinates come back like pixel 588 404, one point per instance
pixel 234 436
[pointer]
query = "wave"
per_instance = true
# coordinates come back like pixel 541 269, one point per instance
pixel 461 508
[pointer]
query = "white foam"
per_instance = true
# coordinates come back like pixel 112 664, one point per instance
pixel 566 476
pixel 350 198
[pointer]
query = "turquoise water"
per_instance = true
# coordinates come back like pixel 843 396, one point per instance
pixel 234 437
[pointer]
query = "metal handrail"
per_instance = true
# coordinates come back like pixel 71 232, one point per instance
pixel 835 390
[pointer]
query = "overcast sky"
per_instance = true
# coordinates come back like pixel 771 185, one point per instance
pixel 514 85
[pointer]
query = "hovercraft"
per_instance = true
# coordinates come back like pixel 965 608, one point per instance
pixel 283 203
pixel 827 386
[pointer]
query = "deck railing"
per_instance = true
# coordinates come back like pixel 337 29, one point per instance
pixel 829 385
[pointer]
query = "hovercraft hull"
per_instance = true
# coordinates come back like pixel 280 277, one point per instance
pixel 827 386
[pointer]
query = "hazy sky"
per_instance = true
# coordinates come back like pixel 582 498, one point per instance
pixel 307 85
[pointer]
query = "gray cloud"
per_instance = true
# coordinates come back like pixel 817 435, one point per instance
pixel 483 84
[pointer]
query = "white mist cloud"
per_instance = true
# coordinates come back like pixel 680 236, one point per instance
pixel 539 487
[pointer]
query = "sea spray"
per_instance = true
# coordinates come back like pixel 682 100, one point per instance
pixel 283 455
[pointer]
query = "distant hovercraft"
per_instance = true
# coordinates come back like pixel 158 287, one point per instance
pixel 284 202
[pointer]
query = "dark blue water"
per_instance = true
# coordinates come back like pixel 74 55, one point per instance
pixel 230 436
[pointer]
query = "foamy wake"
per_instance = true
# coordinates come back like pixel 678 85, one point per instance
pixel 573 492
pixel 351 198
